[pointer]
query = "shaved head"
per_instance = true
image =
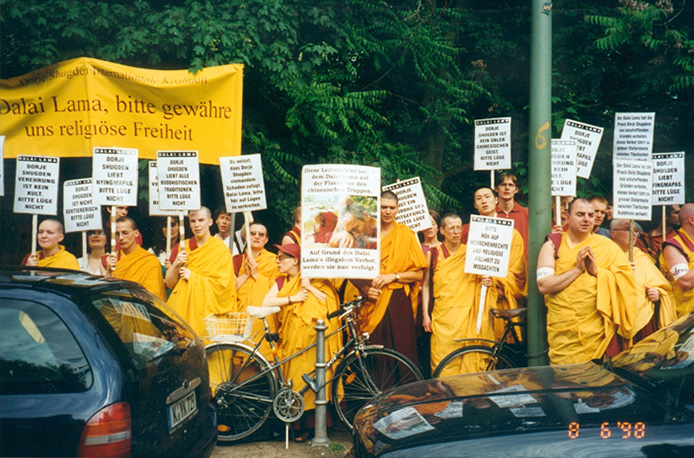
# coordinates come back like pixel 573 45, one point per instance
pixel 686 212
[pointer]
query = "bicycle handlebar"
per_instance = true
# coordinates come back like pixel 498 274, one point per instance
pixel 346 307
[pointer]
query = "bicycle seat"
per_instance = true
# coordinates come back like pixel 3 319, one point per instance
pixel 508 314
pixel 261 312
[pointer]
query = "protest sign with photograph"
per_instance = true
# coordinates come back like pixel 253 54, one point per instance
pixel 36 185
pixel 413 211
pixel 115 175
pixel 179 180
pixel 587 140
pixel 632 190
pixel 492 144
pixel 633 136
pixel 154 209
pixel 340 221
pixel 80 213
pixel 489 246
pixel 243 184
pixel 563 167
pixel 668 178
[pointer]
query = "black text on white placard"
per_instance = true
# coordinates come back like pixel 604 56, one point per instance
pixel 154 209
pixel 36 186
pixel 413 211
pixel 563 167
pixel 668 178
pixel 115 175
pixel 489 246
pixel 80 213
pixel 242 180
pixel 179 180
pixel 633 136
pixel 493 144
pixel 632 184
pixel 587 140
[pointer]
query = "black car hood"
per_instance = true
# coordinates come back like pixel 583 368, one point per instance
pixel 512 401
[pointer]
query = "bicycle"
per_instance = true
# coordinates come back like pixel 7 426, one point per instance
pixel 250 386
pixel 499 354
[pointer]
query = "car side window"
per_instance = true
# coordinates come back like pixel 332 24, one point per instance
pixel 38 353
pixel 148 331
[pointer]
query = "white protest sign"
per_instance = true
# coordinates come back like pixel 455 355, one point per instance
pixel 632 190
pixel 2 165
pixel 114 171
pixel 36 186
pixel 668 178
pixel 633 136
pixel 179 180
pixel 80 213
pixel 412 205
pixel 493 144
pixel 587 139
pixel 489 246
pixel 563 167
pixel 243 184
pixel 340 222
pixel 154 209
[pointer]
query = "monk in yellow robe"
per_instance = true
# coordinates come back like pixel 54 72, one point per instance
pixel 678 260
pixel 52 254
pixel 652 286
pixel 254 277
pixel 589 290
pixel 303 302
pixel 201 275
pixel 389 314
pixel 132 262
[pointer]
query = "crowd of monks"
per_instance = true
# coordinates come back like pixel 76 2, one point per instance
pixel 598 300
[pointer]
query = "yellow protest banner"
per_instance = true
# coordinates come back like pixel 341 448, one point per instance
pixel 68 108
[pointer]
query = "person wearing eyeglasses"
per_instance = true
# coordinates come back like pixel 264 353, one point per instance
pixel 134 263
pixel 655 303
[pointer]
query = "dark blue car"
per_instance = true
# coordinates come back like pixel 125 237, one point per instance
pixel 93 367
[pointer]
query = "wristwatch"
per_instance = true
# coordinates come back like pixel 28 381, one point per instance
pixel 397 277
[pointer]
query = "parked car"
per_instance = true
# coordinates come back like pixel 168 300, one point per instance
pixel 641 403
pixel 97 367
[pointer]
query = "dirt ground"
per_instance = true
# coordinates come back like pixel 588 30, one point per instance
pixel 340 442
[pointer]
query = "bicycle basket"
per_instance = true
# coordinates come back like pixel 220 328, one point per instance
pixel 229 327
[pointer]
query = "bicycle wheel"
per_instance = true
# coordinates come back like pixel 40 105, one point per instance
pixel 359 378
pixel 242 397
pixel 475 356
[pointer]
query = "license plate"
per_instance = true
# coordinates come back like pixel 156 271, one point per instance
pixel 182 409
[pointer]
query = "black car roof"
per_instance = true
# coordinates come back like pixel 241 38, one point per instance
pixel 64 281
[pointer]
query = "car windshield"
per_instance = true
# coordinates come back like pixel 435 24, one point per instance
pixel 146 325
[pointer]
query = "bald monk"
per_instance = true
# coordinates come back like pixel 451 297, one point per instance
pixel 201 275
pixel 654 292
pixel 389 314
pixel 254 278
pixel 589 290
pixel 134 263
pixel 678 260
pixel 52 254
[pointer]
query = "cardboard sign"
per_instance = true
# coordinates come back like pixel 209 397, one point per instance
pixel 179 180
pixel 80 213
pixel 668 178
pixel 633 136
pixel 493 144
pixel 587 140
pixel 242 180
pixel 340 223
pixel 2 165
pixel 563 167
pixel 413 211
pixel 632 190
pixel 36 186
pixel 154 209
pixel 489 246
pixel 114 171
